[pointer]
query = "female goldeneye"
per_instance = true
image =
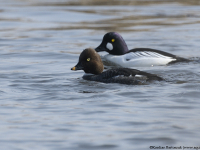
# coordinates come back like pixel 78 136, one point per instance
pixel 91 63
pixel 119 54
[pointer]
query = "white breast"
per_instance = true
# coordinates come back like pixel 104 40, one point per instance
pixel 139 59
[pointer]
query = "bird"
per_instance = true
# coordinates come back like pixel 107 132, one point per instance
pixel 90 61
pixel 114 44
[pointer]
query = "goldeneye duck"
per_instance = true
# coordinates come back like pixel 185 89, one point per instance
pixel 90 62
pixel 114 44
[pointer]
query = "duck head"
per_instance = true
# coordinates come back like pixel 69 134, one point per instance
pixel 113 43
pixel 90 62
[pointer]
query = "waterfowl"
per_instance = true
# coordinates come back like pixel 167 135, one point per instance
pixel 91 63
pixel 114 44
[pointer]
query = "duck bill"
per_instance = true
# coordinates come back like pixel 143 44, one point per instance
pixel 77 67
pixel 100 48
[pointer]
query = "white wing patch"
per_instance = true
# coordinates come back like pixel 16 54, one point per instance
pixel 139 59
pixel 138 76
pixel 145 54
pixel 118 76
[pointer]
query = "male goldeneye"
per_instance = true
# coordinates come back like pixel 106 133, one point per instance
pixel 91 63
pixel 114 44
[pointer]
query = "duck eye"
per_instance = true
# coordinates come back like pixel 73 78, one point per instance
pixel 113 40
pixel 88 59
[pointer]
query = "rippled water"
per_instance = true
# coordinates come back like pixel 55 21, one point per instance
pixel 46 106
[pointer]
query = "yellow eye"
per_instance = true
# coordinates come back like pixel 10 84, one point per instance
pixel 113 40
pixel 88 59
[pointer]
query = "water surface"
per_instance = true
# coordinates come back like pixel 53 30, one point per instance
pixel 46 106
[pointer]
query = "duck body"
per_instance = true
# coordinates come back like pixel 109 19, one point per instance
pixel 119 54
pixel 123 76
pixel 91 63
pixel 143 57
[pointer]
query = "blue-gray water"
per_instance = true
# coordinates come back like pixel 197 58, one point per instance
pixel 46 106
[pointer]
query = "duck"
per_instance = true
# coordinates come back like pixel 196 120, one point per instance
pixel 114 44
pixel 90 62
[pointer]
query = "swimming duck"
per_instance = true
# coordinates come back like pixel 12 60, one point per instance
pixel 90 62
pixel 114 44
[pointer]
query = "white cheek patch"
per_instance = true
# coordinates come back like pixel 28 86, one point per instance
pixel 109 46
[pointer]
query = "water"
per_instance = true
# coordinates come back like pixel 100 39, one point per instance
pixel 46 106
